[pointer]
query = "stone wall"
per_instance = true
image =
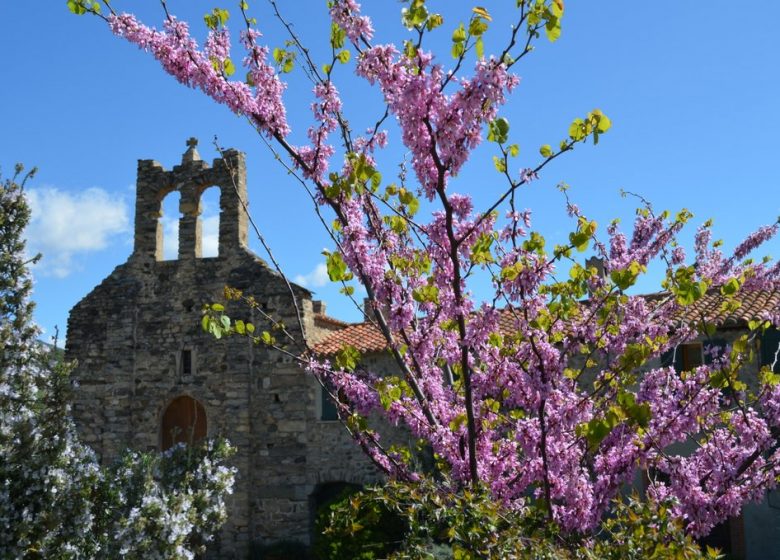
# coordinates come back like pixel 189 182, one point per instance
pixel 128 335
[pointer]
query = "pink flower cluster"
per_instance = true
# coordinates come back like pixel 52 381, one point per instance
pixel 346 14
pixel 439 130
pixel 179 55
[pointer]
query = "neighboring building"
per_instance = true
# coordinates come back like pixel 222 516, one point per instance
pixel 753 535
pixel 148 376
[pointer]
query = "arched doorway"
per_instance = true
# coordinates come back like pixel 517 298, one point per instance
pixel 184 420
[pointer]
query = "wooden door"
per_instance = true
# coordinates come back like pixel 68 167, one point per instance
pixel 183 421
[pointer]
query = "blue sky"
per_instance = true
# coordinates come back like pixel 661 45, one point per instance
pixel 693 92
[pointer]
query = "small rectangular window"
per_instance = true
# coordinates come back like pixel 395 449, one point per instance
pixel 691 356
pixel 186 362
pixel 328 411
pixel 770 343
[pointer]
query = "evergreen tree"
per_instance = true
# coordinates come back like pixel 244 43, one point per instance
pixel 56 501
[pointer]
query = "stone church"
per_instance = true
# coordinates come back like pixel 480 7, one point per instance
pixel 148 374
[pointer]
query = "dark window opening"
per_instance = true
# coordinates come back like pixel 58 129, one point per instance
pixel 691 355
pixel 728 537
pixel 186 362
pixel 770 342
pixel 329 411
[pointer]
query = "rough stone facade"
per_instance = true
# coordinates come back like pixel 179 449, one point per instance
pixel 133 333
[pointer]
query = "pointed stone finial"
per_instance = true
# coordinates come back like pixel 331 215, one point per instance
pixel 192 152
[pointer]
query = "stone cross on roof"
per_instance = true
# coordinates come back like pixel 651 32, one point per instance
pixel 192 153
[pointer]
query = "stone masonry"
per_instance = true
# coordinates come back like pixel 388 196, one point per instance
pixel 133 333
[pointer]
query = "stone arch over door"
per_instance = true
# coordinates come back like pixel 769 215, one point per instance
pixel 183 421
pixel 325 494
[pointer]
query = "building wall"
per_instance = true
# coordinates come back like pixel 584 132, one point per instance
pixel 128 335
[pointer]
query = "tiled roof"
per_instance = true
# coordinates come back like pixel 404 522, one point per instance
pixel 330 321
pixel 366 337
pixel 753 306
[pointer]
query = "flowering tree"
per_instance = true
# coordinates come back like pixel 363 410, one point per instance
pixel 545 397
pixel 56 500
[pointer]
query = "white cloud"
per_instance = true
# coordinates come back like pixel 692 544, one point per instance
pixel 314 279
pixel 64 225
pixel 210 236
pixel 170 237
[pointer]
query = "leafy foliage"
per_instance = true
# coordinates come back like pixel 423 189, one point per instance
pixel 440 522
pixel 56 500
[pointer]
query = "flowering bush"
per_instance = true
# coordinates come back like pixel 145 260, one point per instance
pixel 544 395
pixel 56 500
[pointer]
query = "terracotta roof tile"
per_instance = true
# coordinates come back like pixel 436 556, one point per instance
pixel 328 320
pixel 366 337
pixel 753 306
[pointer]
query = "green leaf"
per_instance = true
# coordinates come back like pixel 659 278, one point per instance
pixel 459 35
pixel 498 130
pixel 397 224
pixel 343 56
pixel 457 50
pixel 76 7
pixel 730 288
pixel 222 15
pixel 337 36
pixel 477 27
pixel 337 268
pixel 434 21
pixel 426 294
pixel 389 392
pixel 347 358
pixel 410 49
pixel 603 123
pixel 627 277
pixel 457 422
pixel 482 12
pixel 479 46
pixel 499 164
pixel 594 431
pixel 577 130
pixel 514 149
pixel 579 240
pixel 204 323
pixel 546 150
pixel 480 251
pixel 228 66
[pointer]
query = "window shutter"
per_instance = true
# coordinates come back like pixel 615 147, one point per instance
pixel 667 357
pixel 329 410
pixel 770 341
